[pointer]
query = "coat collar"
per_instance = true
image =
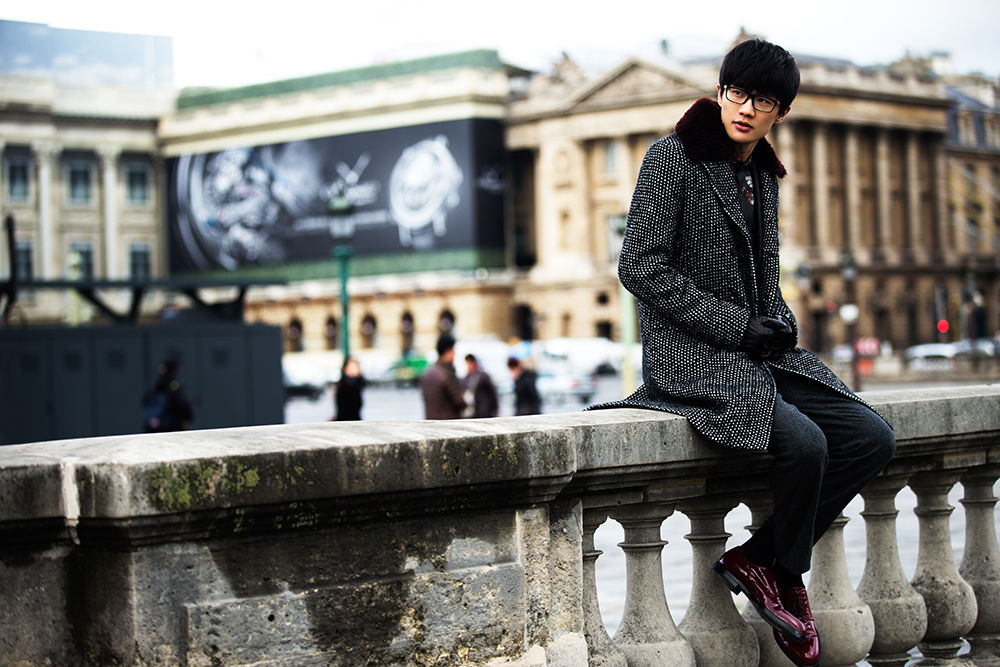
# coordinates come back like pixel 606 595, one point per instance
pixel 704 139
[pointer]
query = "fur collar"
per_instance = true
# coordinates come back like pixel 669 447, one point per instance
pixel 704 139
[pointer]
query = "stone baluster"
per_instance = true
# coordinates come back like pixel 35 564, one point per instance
pixel 950 600
pixel 770 654
pixel 647 634
pixel 602 651
pixel 898 610
pixel 844 622
pixel 713 626
pixel 981 560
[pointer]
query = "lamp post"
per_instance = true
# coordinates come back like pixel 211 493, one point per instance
pixel 342 231
pixel 849 312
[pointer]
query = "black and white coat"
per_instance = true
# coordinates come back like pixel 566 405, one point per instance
pixel 687 257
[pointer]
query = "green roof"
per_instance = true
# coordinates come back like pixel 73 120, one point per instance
pixel 480 58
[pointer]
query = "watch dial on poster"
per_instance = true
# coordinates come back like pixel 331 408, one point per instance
pixel 391 191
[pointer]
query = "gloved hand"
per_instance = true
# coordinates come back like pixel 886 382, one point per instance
pixel 784 334
pixel 757 338
pixel 767 337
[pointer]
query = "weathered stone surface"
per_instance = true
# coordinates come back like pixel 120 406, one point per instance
pixel 363 543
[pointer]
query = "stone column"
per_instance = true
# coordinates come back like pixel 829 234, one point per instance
pixel 912 227
pixel 821 192
pixel 647 635
pixel 944 244
pixel 602 651
pixel 713 626
pixel 950 600
pixel 852 188
pixel 785 142
pixel 981 559
pixel 898 611
pixel 108 156
pixel 46 153
pixel 882 199
pixel 844 623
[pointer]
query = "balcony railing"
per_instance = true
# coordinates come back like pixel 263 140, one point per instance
pixel 471 543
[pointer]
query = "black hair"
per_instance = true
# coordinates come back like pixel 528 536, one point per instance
pixel 471 357
pixel 761 67
pixel 445 343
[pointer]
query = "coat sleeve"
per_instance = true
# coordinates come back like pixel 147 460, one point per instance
pixel 646 267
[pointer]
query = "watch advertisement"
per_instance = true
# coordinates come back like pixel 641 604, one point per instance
pixel 437 186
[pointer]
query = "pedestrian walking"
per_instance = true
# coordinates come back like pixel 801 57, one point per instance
pixel 480 393
pixel 440 389
pixel 527 400
pixel 700 254
pixel 347 394
pixel 166 407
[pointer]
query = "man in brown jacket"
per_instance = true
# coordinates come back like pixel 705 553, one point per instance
pixel 439 386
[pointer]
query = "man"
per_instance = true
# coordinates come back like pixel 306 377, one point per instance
pixel 700 254
pixel 481 393
pixel 439 385
pixel 166 406
pixel 527 400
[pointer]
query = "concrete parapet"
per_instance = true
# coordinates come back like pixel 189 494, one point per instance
pixel 406 543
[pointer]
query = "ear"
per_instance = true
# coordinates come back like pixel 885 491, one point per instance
pixel 718 93
pixel 783 114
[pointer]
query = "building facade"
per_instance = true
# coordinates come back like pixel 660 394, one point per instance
pixel 489 201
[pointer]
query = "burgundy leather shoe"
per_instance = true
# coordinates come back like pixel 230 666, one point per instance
pixel 760 586
pixel 802 653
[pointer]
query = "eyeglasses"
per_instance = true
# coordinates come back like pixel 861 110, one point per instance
pixel 761 103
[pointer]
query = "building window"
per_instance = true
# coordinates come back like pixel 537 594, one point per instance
pixel 24 266
pixel 81 261
pixel 137 183
pixel 139 261
pixel 80 179
pixel 369 329
pixel 17 179
pixel 295 335
pixel 610 158
pixel 330 333
pixel 406 330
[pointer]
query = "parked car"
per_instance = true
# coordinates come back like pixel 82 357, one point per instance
pixel 930 356
pixel 300 388
pixel 563 385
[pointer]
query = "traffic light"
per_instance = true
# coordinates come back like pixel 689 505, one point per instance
pixel 942 326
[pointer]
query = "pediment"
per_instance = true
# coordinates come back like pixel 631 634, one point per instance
pixel 634 81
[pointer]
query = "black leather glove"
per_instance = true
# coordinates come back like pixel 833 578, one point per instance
pixel 784 334
pixel 757 338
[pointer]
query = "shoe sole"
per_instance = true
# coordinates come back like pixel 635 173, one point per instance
pixel 737 587
pixel 792 657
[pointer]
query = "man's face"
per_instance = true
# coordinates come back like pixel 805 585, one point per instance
pixel 744 124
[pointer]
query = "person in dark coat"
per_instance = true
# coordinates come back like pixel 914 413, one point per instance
pixel 527 400
pixel 166 406
pixel 347 395
pixel 700 254
pixel 439 386
pixel 480 389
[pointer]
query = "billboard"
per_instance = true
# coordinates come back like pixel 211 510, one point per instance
pixel 397 191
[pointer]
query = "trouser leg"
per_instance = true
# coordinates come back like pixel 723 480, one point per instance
pixel 827 447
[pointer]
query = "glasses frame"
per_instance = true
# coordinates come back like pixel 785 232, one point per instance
pixel 754 99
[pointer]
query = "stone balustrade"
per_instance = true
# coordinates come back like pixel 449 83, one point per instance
pixel 470 543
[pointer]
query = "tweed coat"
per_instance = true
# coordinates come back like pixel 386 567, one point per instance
pixel 688 258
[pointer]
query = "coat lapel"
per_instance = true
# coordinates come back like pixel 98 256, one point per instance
pixel 721 175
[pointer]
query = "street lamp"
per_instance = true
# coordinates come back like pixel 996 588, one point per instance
pixel 849 312
pixel 342 231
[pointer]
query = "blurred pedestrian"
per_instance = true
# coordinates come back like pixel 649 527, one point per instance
pixel 527 400
pixel 347 394
pixel 480 392
pixel 166 407
pixel 439 386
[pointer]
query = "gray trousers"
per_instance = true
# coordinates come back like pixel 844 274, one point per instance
pixel 826 447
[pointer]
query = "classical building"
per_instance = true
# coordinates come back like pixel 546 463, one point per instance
pixel 486 200
pixel 80 166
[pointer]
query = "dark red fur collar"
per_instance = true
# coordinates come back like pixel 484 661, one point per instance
pixel 704 139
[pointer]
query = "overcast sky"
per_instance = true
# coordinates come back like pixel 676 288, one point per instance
pixel 228 43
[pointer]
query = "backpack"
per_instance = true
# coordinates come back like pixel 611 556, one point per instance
pixel 155 415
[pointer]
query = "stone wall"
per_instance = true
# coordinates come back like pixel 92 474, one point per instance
pixel 410 543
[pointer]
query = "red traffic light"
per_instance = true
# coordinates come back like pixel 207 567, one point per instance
pixel 942 326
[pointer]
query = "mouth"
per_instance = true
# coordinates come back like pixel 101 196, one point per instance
pixel 742 127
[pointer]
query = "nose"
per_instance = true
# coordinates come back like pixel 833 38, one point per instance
pixel 747 107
